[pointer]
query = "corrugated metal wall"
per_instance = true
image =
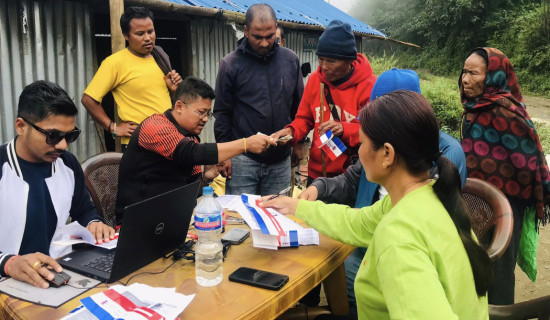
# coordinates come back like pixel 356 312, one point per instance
pixel 50 40
pixel 212 40
pixel 295 42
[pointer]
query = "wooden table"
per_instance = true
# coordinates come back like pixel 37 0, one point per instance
pixel 306 267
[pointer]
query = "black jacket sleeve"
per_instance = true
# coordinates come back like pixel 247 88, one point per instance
pixel 223 105
pixel 298 91
pixel 342 188
pixel 192 153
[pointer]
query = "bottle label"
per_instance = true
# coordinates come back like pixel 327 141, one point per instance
pixel 208 222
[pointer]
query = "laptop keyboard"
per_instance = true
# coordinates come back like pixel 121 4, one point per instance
pixel 103 263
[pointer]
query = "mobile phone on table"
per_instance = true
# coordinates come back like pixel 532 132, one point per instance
pixel 234 220
pixel 259 278
pixel 236 235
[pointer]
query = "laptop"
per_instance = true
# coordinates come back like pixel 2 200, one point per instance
pixel 151 229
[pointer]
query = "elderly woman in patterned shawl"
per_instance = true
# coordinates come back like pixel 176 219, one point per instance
pixel 503 148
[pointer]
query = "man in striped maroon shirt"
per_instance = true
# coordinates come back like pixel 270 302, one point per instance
pixel 165 152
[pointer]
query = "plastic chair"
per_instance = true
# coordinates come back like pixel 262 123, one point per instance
pixel 533 309
pixel 101 176
pixel 489 209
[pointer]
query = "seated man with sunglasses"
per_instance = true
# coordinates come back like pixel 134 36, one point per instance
pixel 164 152
pixel 41 185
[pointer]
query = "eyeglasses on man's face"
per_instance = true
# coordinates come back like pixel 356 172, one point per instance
pixel 207 114
pixel 53 137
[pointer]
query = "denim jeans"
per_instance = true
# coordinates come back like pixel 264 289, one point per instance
pixel 250 176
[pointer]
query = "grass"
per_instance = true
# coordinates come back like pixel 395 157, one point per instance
pixel 543 130
pixel 443 95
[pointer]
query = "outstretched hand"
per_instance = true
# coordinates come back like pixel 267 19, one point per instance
pixel 281 133
pixel 283 204
pixel 258 143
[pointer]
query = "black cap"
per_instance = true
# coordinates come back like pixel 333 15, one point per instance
pixel 337 41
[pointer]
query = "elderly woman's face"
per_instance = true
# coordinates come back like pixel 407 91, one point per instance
pixel 334 69
pixel 473 76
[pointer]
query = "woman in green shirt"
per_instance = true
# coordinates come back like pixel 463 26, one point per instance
pixel 423 261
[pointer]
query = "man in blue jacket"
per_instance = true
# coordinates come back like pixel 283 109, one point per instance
pixel 353 188
pixel 258 89
pixel 41 185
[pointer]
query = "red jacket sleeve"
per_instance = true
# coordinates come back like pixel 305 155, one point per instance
pixel 304 121
pixel 350 136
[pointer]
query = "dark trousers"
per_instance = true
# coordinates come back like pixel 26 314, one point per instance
pixel 501 289
pixel 312 298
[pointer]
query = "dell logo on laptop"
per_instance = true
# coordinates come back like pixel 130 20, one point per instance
pixel 159 228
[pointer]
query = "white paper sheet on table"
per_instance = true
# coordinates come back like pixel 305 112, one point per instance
pixel 282 232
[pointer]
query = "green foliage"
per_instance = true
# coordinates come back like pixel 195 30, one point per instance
pixel 525 41
pixel 382 63
pixel 447 30
pixel 443 95
pixel 441 92
pixel 543 129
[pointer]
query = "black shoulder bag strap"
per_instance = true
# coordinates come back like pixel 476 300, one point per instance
pixel 331 105
pixel 350 151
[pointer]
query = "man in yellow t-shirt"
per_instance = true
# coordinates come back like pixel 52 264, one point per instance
pixel 139 86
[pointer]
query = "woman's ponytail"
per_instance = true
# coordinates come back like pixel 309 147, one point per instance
pixel 448 190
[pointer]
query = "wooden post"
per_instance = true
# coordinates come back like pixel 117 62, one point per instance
pixel 322 112
pixel 116 9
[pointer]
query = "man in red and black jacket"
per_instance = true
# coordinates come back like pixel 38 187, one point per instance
pixel 164 152
pixel 348 80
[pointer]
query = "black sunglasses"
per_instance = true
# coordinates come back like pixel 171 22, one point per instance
pixel 53 137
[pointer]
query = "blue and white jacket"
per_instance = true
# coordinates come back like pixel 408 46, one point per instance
pixel 67 190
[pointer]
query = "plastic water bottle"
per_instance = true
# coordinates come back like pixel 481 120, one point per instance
pixel 208 250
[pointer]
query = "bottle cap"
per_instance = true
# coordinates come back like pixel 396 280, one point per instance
pixel 207 190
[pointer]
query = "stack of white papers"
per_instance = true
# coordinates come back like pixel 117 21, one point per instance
pixel 271 229
pixel 74 233
pixel 137 301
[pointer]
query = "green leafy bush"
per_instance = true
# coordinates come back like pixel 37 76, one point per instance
pixel 525 42
pixel 447 30
pixel 441 92
pixel 443 95
pixel 383 63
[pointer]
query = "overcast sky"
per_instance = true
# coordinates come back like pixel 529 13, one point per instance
pixel 344 5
